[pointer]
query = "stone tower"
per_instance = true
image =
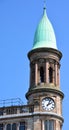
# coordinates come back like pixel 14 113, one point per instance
pixel 44 91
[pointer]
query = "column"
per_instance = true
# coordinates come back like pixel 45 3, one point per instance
pixel 43 126
pixel 57 125
pixel 18 110
pixel 56 73
pixel 59 75
pixel 36 74
pixel 18 124
pixel 4 113
pixel 47 72
pixel 4 126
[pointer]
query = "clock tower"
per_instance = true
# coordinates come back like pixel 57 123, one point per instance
pixel 44 92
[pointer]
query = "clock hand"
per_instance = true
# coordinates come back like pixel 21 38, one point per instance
pixel 48 103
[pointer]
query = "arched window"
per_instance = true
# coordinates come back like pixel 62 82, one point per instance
pixel 22 126
pixel 14 126
pixel 8 126
pixel 41 74
pixel 50 75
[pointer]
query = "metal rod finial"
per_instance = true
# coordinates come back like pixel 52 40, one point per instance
pixel 44 4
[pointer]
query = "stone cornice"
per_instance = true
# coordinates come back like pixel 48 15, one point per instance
pixel 47 89
pixel 49 50
pixel 28 115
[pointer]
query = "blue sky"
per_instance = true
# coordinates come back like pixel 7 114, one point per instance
pixel 18 21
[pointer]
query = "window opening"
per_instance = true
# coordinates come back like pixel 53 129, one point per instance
pixel 8 126
pixel 1 126
pixel 41 74
pixel 50 75
pixel 14 126
pixel 49 125
pixel 22 126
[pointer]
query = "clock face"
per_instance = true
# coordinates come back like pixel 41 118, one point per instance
pixel 48 104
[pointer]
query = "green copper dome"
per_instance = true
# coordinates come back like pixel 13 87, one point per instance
pixel 44 35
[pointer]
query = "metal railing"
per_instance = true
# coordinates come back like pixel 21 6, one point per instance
pixel 11 102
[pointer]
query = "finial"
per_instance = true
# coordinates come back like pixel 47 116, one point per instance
pixel 44 9
pixel 44 4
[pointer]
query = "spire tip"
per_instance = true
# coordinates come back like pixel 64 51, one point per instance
pixel 44 4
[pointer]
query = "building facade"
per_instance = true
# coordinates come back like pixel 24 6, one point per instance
pixel 44 108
